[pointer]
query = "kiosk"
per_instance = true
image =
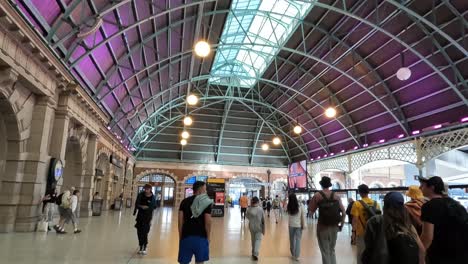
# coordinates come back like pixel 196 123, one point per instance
pixel 216 190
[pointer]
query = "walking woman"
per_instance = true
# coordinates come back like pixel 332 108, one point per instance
pixel 296 225
pixel 145 204
pixel 391 238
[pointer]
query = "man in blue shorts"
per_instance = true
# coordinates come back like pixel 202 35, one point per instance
pixel 195 226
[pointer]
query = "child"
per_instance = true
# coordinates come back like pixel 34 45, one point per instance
pixel 256 226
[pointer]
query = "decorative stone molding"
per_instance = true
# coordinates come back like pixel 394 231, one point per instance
pixel 155 171
pixel 103 150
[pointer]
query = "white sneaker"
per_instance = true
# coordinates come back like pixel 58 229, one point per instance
pixel 144 253
pixel 139 252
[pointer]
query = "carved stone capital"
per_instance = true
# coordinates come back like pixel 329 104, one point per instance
pixel 8 78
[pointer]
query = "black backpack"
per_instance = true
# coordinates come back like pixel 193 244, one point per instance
pixel 370 211
pixel 329 210
pixel 457 212
pixel 58 201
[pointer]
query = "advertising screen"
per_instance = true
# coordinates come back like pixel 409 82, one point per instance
pixel 297 175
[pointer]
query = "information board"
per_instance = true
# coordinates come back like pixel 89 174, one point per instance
pixel 216 190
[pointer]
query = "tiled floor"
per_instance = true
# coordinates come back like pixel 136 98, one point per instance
pixel 111 238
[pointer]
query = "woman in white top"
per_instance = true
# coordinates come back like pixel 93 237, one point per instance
pixel 296 225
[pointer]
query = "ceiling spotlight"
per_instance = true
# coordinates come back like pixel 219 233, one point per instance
pixel 185 135
pixel 192 99
pixel 202 48
pixel 403 74
pixel 188 121
pixel 330 112
pixel 297 129
pixel 276 140
pixel 265 146
pixel 183 142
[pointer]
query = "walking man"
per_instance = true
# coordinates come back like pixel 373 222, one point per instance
pixel 444 225
pixel 361 212
pixel 195 226
pixel 144 205
pixel 244 203
pixel 256 226
pixel 332 215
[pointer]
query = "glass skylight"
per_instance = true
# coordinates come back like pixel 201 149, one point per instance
pixel 253 34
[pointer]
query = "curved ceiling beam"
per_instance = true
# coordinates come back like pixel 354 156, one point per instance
pixel 241 100
pixel 326 63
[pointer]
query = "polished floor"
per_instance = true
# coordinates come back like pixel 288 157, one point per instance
pixel 111 238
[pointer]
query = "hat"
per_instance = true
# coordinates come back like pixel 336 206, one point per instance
pixel 325 182
pixel 147 186
pixel 394 199
pixel 435 181
pixel 414 192
pixel 363 189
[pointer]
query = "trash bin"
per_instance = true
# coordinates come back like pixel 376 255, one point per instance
pixel 96 206
pixel 117 204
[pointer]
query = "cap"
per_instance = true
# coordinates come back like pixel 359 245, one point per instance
pixel 435 181
pixel 363 188
pixel 394 199
pixel 147 186
pixel 325 182
pixel 414 192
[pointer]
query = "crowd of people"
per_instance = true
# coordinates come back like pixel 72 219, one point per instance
pixel 430 228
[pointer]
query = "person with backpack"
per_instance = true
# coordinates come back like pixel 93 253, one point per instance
pixel 414 206
pixel 362 211
pixel 64 208
pixel 144 205
pixel 276 207
pixel 391 238
pixel 332 215
pixel 297 223
pixel 195 226
pixel 444 225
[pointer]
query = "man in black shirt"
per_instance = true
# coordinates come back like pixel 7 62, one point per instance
pixel 442 234
pixel 144 205
pixel 195 225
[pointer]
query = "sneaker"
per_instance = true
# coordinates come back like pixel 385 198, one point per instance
pixel 56 228
pixel 144 253
pixel 255 258
pixel 77 231
pixel 139 252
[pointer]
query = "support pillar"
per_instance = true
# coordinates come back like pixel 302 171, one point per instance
pixel 88 177
pixel 36 168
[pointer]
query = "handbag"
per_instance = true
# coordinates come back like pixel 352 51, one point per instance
pixel 42 226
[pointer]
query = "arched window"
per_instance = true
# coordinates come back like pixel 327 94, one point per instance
pixel 336 185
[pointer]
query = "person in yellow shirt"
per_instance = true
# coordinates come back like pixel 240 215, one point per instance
pixel 362 211
pixel 244 203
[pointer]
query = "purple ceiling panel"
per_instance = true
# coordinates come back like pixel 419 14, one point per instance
pixel 88 68
pixel 432 103
pixel 339 136
pixel 375 123
pixel 387 134
pixel 452 115
pixel 48 9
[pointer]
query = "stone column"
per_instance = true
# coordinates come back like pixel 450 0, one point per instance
pixel 36 166
pixel 87 186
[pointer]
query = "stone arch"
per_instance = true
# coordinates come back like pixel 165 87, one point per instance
pixel 175 191
pixel 73 164
pixel 392 185
pixel 376 184
pixel 102 171
pixel 10 170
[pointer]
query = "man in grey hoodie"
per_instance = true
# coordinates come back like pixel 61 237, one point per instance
pixel 256 226
pixel 195 225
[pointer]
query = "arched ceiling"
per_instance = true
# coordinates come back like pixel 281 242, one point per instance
pixel 135 58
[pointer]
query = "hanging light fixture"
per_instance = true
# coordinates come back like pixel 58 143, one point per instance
pixel 202 48
pixel 192 99
pixel 330 112
pixel 276 140
pixel 404 73
pixel 188 121
pixel 265 146
pixel 185 134
pixel 183 142
pixel 297 129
